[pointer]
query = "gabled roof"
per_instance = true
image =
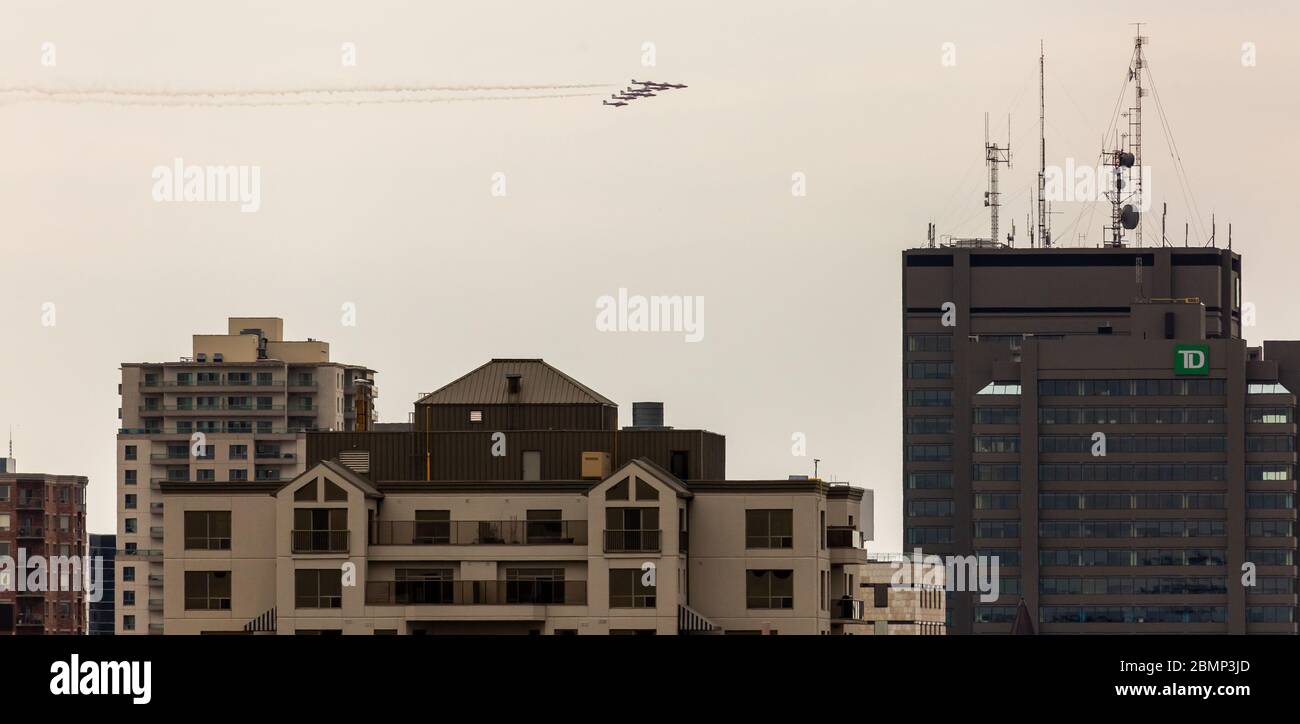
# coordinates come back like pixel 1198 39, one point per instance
pixel 340 471
pixel 654 469
pixel 539 384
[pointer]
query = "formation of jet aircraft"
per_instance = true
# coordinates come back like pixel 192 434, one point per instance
pixel 639 89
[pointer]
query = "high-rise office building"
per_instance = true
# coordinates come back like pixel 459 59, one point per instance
pixel 1094 418
pixel 102 621
pixel 235 411
pixel 42 526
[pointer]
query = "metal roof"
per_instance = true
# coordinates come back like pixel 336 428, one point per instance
pixel 539 384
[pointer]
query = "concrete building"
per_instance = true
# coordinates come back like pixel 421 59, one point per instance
pixel 102 622
pixel 1094 419
pixel 42 517
pixel 236 411
pixel 568 526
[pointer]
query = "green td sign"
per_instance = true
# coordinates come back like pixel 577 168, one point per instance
pixel 1191 359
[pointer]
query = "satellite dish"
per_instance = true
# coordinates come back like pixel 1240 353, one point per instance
pixel 1128 216
pixel 1126 159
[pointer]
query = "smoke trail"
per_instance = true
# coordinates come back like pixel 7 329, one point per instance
pixel 224 102
pixel 233 92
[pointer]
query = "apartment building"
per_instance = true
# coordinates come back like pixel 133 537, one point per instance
pixel 43 517
pixel 1094 419
pixel 236 410
pixel 516 506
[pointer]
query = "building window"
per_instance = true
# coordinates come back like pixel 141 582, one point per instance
pixel 631 530
pixel 432 527
pixel 208 590
pixel 476 416
pixel 128 598
pixel 320 530
pixel 769 528
pixel 207 530
pixel 129 526
pixel 129 501
pixel 205 475
pixel 619 490
pixel 626 589
pixel 238 452
pixel 307 493
pixel 129 453
pixel 238 475
pixel 769 589
pixel 128 574
pixel 130 477
pixel 128 623
pixel 335 494
pixel 318 588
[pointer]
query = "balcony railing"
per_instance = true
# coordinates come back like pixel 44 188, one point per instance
pixel 632 541
pixel 848 609
pixel 843 537
pixel 475 593
pixel 156 532
pixel 30 619
pixel 320 541
pixel 31 532
pixel 29 501
pixel 479 532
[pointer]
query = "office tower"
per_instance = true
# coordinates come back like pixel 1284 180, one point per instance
pixel 1095 419
pixel 234 411
pixel 102 621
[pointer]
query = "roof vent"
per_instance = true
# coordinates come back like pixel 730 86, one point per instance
pixel 358 461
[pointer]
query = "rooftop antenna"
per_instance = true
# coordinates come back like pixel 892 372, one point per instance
pixel 1229 236
pixel 994 155
pixel 1135 122
pixel 929 234
pixel 1044 231
pixel 816 462
pixel 1124 215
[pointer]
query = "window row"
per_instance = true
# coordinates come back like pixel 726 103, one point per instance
pixel 1127 557
pixel 1133 614
pixel 1136 443
pixel 1134 471
pixel 1132 415
pixel 1134 388
pixel 929 343
pixel 1132 585
pixel 1162 500
pixel 1131 528
pixel 929 370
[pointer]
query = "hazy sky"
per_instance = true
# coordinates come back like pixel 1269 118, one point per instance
pixel 390 207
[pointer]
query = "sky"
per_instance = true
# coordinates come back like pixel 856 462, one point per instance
pixel 395 208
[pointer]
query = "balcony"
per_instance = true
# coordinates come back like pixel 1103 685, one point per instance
pixel 155 604
pixel 843 537
pixel 155 579
pixel 156 508
pixel 849 610
pixel 274 456
pixel 28 618
pixel 479 532
pixel 31 531
pixel 156 532
pixel 632 541
pixel 180 457
pixel 475 593
pixel 155 629
pixel 321 541
pixel 30 502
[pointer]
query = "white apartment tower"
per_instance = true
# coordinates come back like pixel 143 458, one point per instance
pixel 234 411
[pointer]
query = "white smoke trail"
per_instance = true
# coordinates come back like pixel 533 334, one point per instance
pixel 299 91
pixel 227 102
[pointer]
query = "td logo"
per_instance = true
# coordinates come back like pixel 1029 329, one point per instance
pixel 1191 359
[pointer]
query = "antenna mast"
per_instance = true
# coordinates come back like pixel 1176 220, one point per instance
pixel 1044 232
pixel 1135 123
pixel 994 155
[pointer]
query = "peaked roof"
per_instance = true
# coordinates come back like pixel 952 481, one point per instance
pixel 539 384
pixel 339 470
pixel 1024 623
pixel 654 469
